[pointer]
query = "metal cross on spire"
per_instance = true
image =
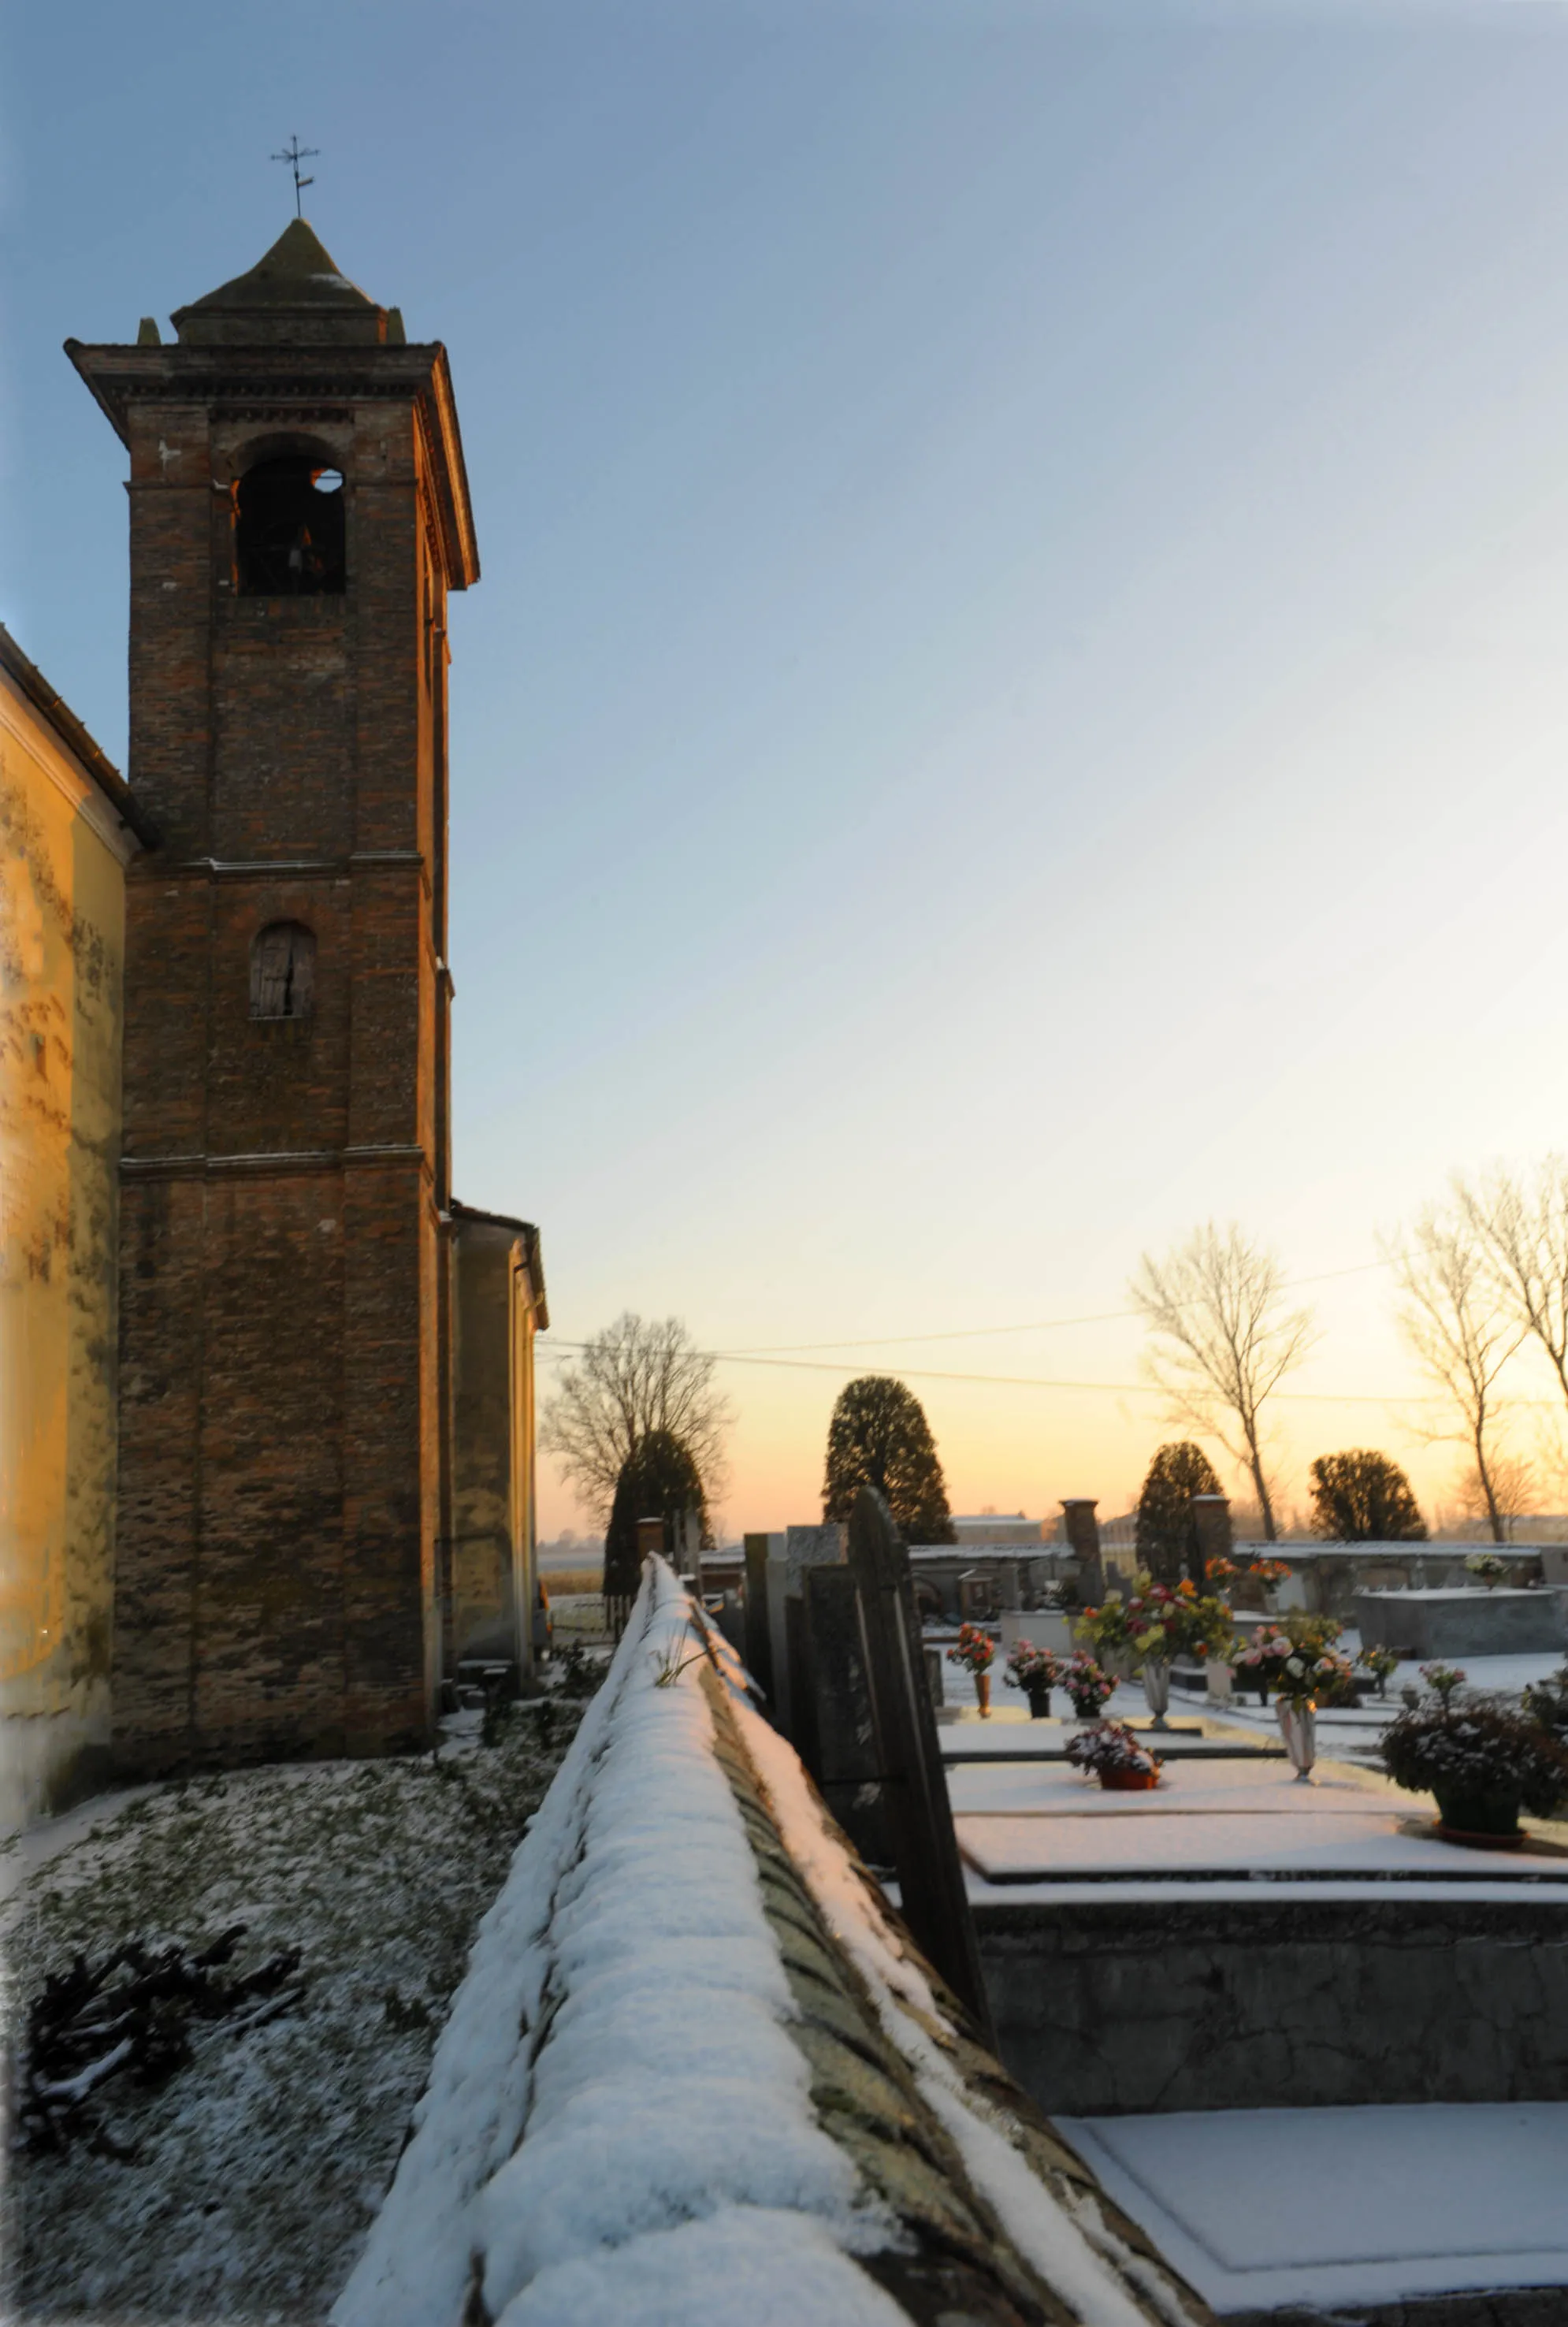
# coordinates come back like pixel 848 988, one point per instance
pixel 294 154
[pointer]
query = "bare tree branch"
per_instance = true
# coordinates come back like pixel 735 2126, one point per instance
pixel 1521 1226
pixel 1459 1330
pixel 1223 1342
pixel 638 1376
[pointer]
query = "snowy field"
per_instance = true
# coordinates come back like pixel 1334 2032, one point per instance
pixel 1261 2208
pixel 257 2168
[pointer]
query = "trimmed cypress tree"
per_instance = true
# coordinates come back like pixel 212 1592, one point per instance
pixel 879 1438
pixel 1363 1497
pixel 659 1479
pixel 1167 1536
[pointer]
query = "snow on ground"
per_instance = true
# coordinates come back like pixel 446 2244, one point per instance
pixel 1043 1820
pixel 1261 2208
pixel 260 2164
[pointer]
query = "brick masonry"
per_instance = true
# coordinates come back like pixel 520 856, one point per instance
pixel 284 1182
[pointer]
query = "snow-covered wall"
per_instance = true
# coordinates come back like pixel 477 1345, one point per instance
pixel 696 2073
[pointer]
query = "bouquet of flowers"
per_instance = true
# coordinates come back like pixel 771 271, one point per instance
pixel 974 1648
pixel 1263 1658
pixel 1031 1667
pixel 1269 1572
pixel 1490 1567
pixel 1381 1663
pixel 1110 1745
pixel 1303 1678
pixel 1220 1571
pixel 1158 1622
pixel 1442 1679
pixel 1085 1684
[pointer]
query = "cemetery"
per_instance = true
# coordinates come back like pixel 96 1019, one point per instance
pixel 1207 1922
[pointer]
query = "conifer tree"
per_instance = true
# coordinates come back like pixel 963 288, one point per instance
pixel 1167 1536
pixel 659 1479
pixel 879 1438
pixel 1362 1496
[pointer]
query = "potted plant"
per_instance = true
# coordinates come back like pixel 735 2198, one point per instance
pixel 1381 1663
pixel 1299 1679
pixel 1442 1680
pixel 1111 1750
pixel 1488 1567
pixel 975 1649
pixel 1547 1703
pixel 1087 1686
pixel 1036 1671
pixel 1483 1763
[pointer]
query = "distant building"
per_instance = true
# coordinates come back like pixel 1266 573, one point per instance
pixel 998 1528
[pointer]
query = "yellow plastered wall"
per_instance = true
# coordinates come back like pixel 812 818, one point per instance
pixel 62 853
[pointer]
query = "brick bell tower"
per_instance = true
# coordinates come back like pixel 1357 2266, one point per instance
pixel 299 510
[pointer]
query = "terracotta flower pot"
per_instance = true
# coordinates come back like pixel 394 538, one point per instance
pixel 1129 1781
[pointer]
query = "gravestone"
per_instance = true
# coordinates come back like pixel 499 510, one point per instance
pixel 1211 1523
pixel 1083 1535
pixel 875 1705
pixel 758 1650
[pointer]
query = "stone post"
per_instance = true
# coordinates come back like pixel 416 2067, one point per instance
pixel 1083 1536
pixel 759 1648
pixel 1211 1520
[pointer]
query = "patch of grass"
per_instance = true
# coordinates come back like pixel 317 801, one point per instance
pixel 261 2163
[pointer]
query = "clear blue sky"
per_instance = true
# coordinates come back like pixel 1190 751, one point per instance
pixel 1017 699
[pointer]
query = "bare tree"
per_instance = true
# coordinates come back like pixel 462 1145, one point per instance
pixel 1511 1483
pixel 636 1376
pixel 1224 1341
pixel 1521 1224
pixel 1460 1333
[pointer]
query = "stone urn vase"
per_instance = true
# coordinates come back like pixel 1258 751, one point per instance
pixel 1157 1688
pixel 983 1691
pixel 1039 1698
pixel 1298 1728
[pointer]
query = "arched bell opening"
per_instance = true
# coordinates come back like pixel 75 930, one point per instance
pixel 289 534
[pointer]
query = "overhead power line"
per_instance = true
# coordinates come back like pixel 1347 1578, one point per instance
pixel 1040 1325
pixel 558 1348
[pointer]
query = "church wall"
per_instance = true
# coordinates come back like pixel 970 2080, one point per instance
pixel 495 1313
pixel 61 960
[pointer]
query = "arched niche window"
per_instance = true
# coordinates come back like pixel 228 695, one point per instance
pixel 289 530
pixel 283 971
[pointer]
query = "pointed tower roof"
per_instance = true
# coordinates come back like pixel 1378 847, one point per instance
pixel 296 293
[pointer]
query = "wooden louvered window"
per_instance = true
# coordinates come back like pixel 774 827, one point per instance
pixel 283 971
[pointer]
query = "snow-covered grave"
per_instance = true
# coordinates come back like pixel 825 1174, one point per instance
pixel 1325 2207
pixel 1032 1822
pixel 695 2073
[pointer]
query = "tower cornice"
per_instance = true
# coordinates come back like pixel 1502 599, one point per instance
pixel 294 379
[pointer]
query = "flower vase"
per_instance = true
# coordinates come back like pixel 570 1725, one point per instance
pixel 1298 1728
pixel 1157 1688
pixel 983 1691
pixel 1038 1704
